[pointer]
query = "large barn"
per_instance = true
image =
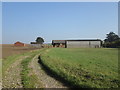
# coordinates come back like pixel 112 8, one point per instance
pixel 92 43
pixel 86 43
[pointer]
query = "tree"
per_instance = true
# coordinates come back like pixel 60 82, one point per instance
pixel 112 40
pixel 39 40
pixel 111 37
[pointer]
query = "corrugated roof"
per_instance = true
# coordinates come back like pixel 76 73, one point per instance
pixel 58 41
pixel 33 43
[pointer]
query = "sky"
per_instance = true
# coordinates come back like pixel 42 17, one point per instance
pixel 25 21
pixel 0 23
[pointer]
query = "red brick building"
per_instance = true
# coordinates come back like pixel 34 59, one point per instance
pixel 19 44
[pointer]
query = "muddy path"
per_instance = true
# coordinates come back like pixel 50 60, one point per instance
pixel 47 80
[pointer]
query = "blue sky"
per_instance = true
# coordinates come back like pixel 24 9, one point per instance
pixel 25 21
pixel 0 22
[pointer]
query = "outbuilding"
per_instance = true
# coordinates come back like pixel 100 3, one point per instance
pixel 19 44
pixel 36 45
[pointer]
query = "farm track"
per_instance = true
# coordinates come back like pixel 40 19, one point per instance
pixel 12 75
pixel 47 80
pixel 12 78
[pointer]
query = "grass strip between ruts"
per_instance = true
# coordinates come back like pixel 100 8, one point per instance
pixel 28 79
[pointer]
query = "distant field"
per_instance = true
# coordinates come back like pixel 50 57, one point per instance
pixel 10 49
pixel 84 67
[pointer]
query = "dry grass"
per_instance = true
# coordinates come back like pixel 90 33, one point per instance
pixel 10 49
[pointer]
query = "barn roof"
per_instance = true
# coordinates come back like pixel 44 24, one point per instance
pixel 33 43
pixel 63 41
pixel 18 42
pixel 58 41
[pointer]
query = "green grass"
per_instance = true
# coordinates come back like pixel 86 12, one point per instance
pixel 84 67
pixel 29 79
pixel 26 79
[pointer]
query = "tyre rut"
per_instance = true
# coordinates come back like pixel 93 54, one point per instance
pixel 47 80
pixel 12 77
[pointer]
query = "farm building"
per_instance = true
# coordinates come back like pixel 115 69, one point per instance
pixel 19 44
pixel 91 43
pixel 35 44
pixel 58 43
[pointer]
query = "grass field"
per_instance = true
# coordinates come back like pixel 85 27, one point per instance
pixel 84 67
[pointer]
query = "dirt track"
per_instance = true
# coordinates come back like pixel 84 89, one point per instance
pixel 47 81
pixel 12 77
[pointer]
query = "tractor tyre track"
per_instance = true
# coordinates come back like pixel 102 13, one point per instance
pixel 47 80
pixel 12 77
